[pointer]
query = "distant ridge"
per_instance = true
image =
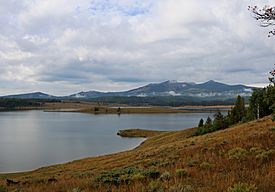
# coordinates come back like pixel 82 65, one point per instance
pixel 174 88
pixel 34 95
pixel 167 88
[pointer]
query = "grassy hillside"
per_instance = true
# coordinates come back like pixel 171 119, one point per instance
pixel 239 157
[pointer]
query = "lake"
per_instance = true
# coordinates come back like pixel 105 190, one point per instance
pixel 32 139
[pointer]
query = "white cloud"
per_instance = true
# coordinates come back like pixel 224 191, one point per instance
pixel 69 46
pixel 36 40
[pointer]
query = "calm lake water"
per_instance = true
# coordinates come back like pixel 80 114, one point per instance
pixel 32 139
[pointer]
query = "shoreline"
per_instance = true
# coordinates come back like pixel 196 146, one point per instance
pixel 77 159
pixel 126 133
pixel 84 107
pixel 191 159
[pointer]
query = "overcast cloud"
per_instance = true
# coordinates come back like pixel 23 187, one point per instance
pixel 65 46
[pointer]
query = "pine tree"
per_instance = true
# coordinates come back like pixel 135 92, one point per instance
pixel 238 112
pixel 218 122
pixel 201 123
pixel 260 103
pixel 208 125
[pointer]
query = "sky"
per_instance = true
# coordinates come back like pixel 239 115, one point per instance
pixel 66 46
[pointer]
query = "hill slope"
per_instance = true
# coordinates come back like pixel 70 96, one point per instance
pixel 213 162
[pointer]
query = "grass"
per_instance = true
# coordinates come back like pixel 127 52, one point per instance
pixel 138 133
pixel 240 158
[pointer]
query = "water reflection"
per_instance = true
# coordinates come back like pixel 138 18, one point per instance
pixel 31 139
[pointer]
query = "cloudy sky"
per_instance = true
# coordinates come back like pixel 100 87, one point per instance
pixel 66 46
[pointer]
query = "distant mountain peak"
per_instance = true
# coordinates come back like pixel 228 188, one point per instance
pixel 172 81
pixel 211 81
pixel 33 95
pixel 210 88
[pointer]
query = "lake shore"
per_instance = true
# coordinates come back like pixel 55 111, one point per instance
pixel 192 161
pixel 88 107
pixel 75 135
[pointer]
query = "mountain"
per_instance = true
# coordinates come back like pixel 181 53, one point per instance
pixel 173 88
pixel 88 94
pixel 35 95
pixel 209 89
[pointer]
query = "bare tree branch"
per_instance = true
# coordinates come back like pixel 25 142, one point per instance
pixel 265 15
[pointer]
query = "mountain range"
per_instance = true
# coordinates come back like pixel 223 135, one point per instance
pixel 168 88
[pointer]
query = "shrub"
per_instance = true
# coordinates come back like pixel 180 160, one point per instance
pixel 117 176
pixel 206 165
pixel 3 188
pixel 181 173
pixel 242 187
pixel 138 177
pixel 224 142
pixel 124 178
pixel 153 163
pixel 155 186
pixel 256 150
pixel 261 153
pixel 181 188
pixel 192 143
pixel 192 163
pixel 154 174
pixel 125 175
pixel 265 154
pixel 237 153
pixel 165 164
pixel 165 176
pixel 77 189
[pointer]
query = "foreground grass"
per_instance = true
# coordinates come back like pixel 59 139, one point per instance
pixel 240 158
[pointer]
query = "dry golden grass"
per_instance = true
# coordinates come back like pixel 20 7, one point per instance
pixel 208 163
pixel 69 105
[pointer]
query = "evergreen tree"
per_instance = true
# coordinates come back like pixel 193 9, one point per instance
pixel 218 122
pixel 201 123
pixel 254 104
pixel 238 112
pixel 260 103
pixel 208 125
pixel 118 110
pixel 204 128
pixel 269 99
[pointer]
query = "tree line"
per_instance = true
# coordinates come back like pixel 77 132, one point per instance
pixel 261 104
pixel 164 101
pixel 10 103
